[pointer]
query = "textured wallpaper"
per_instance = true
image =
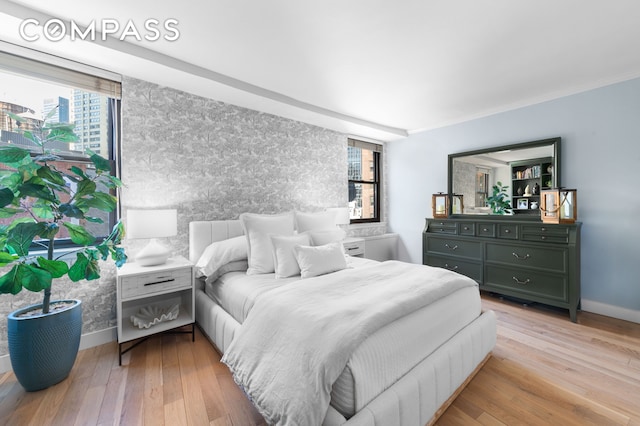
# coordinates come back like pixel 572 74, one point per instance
pixel 210 161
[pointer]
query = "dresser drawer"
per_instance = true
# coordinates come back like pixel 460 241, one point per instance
pixel 523 283
pixel 466 229
pixel 145 284
pixel 543 233
pixel 442 227
pixel 453 247
pixel 547 258
pixel 470 269
pixel 486 230
pixel 508 231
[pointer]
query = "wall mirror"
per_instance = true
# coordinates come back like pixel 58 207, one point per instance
pixel 525 168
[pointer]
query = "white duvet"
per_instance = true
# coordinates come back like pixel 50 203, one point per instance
pixel 288 371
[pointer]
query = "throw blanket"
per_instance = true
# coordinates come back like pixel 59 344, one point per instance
pixel 297 339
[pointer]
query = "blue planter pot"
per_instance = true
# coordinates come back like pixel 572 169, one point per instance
pixel 43 348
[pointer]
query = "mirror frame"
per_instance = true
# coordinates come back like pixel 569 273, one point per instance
pixel 554 142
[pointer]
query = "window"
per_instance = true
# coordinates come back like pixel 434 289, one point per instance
pixel 364 161
pixel 31 89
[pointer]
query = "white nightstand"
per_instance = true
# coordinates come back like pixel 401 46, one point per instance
pixel 162 286
pixel 354 246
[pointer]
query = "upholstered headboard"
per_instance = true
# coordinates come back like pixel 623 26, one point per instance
pixel 203 233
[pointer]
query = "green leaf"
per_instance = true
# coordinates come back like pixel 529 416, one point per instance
pixel 99 200
pixel 56 268
pixel 119 256
pixel 8 282
pixel 70 210
pixel 36 191
pixel 78 234
pixel 85 187
pixel 47 174
pixel 78 171
pixel 6 258
pixel 33 278
pixel 84 268
pixel 20 236
pixel 100 162
pixel 13 155
pixel 6 197
pixel 43 211
pixel 112 182
pixel 93 219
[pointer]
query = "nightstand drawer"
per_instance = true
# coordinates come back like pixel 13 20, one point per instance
pixel 354 246
pixel 144 284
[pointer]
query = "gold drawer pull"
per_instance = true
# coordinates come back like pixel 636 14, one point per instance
pixel 449 247
pixel 543 229
pixel 466 228
pixel 454 268
pixel 485 230
pixel 525 282
pixel 160 282
pixel 517 256
pixel 507 231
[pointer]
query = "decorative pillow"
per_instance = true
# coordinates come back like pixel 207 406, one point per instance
pixel 320 238
pixel 257 228
pixel 235 266
pixel 325 220
pixel 284 260
pixel 320 260
pixel 220 253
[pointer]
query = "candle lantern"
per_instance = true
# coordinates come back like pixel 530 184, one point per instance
pixel 440 205
pixel 457 204
pixel 559 205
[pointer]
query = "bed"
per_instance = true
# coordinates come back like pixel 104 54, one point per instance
pixel 399 373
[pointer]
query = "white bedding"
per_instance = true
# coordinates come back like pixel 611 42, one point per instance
pixel 390 352
pixel 271 359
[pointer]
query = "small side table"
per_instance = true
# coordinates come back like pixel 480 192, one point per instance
pixel 156 287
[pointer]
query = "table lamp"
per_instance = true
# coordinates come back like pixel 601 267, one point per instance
pixel 152 224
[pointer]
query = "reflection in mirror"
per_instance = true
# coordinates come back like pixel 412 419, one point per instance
pixel 524 168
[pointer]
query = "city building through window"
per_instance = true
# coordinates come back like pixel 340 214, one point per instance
pixel 365 164
pixel 33 91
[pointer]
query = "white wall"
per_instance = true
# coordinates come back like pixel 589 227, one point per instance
pixel 600 156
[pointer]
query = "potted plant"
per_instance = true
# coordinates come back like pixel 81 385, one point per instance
pixel 42 200
pixel 499 199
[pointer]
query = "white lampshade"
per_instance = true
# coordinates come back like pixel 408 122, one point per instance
pixel 342 215
pixel 152 224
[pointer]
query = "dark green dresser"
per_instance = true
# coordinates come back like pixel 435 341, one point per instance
pixel 529 260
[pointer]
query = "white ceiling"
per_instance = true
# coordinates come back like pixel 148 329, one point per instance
pixel 371 68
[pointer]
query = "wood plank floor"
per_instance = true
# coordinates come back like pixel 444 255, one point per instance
pixel 545 370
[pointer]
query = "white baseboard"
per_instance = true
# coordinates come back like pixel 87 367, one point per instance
pixel 610 310
pixel 88 340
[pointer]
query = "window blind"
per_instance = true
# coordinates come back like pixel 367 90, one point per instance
pixel 364 145
pixel 47 72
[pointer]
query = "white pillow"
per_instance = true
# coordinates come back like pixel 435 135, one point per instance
pixel 257 228
pixel 325 220
pixel 320 238
pixel 284 260
pixel 220 253
pixel 320 260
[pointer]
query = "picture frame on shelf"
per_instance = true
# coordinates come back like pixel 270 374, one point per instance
pixel 523 204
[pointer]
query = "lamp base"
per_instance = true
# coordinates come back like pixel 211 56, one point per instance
pixel 152 254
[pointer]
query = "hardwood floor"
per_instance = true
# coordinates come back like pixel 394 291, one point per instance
pixel 545 370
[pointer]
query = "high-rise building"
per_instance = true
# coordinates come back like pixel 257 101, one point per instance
pixel 91 117
pixel 62 113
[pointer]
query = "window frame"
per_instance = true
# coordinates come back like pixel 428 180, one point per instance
pixel 377 151
pixel 55 70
